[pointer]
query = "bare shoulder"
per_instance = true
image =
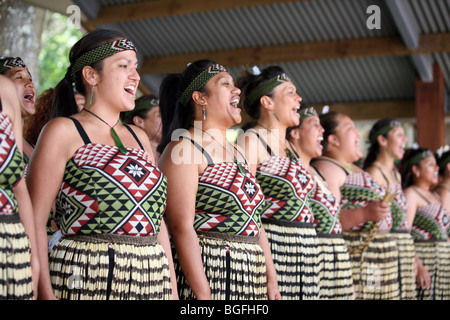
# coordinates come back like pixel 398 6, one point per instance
pixel 411 195
pixel 329 169
pixel 179 152
pixel 142 137
pixel 60 133
pixel 376 175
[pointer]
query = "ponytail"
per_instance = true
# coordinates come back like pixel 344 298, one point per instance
pixel 64 103
pixel 174 114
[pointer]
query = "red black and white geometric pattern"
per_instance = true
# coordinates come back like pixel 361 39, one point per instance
pixel 105 191
pixel 227 201
pixel 287 187
pixel 326 210
pixel 358 190
pixel 11 167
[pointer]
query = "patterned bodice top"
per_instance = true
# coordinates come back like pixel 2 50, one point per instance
pixel 358 190
pixel 398 210
pixel 228 201
pixel 288 188
pixel 432 222
pixel 11 166
pixel 107 192
pixel 326 210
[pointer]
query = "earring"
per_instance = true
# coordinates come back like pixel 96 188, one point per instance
pixel 92 94
pixel 276 116
pixel 204 112
pixel 417 174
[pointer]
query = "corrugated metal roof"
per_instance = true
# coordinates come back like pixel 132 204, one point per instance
pixel 295 22
pixel 321 81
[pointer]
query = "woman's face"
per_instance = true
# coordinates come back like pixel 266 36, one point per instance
pixel 347 138
pixel 25 88
pixel 152 124
pixel 428 171
pixel 119 81
pixel 80 100
pixel 396 142
pixel 310 135
pixel 222 100
pixel 287 103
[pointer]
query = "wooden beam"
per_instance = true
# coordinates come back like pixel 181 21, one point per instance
pixel 162 8
pixel 430 112
pixel 352 48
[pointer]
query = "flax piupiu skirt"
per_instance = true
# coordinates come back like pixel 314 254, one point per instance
pixel 15 260
pixel 435 256
pixel 336 282
pixel 375 269
pixel 295 254
pixel 406 264
pixel 110 267
pixel 234 266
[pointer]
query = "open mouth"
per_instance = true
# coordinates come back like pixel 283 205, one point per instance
pixel 235 103
pixel 29 97
pixel 319 141
pixel 130 90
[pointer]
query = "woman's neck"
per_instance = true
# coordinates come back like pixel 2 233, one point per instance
pixel 269 121
pixel 305 157
pixel 338 157
pixel 422 185
pixel 385 161
pixel 208 130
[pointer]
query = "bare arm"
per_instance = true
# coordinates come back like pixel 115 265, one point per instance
pixel 180 212
pixel 163 239
pixel 11 106
pixel 273 293
pixel 335 178
pixel 47 168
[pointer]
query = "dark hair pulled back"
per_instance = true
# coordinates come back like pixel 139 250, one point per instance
pixel 175 115
pixel 249 81
pixel 329 122
pixel 374 148
pixel 64 103
pixel 405 169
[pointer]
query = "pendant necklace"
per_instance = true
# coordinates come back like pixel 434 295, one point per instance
pixel 235 160
pixel 119 143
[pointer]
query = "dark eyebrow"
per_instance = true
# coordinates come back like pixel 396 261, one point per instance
pixel 20 71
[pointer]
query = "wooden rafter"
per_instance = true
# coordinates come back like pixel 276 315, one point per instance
pixel 161 8
pixel 392 46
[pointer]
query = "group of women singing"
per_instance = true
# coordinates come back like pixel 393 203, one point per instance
pixel 283 213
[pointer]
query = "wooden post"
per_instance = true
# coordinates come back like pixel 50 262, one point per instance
pixel 430 112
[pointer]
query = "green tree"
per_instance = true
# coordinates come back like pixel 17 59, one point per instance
pixel 58 37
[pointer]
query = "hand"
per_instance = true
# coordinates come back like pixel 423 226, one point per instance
pixel 423 278
pixel 273 293
pixel 377 210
